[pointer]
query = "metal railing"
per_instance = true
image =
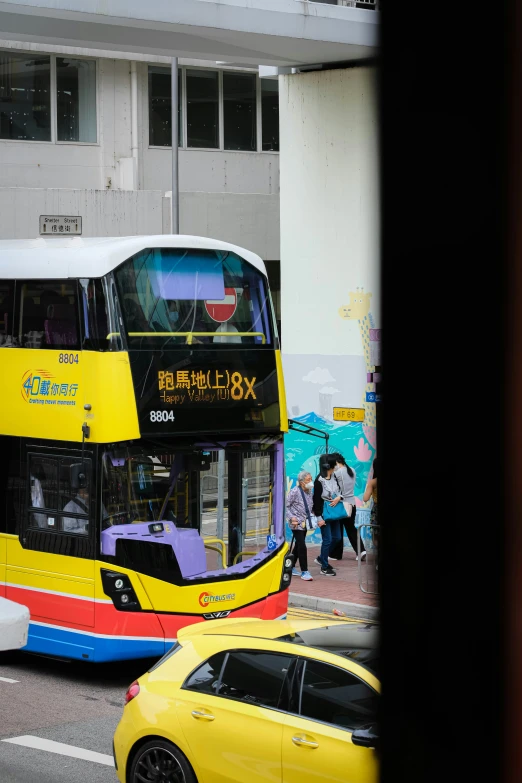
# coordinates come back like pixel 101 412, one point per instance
pixel 368 541
pixel 191 335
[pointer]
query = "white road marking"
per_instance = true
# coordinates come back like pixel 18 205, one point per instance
pixel 39 743
pixel 7 679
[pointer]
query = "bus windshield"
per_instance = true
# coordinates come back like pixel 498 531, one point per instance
pixel 176 296
pixel 228 493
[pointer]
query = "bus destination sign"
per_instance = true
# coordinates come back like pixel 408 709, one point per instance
pixel 217 390
pixel 187 387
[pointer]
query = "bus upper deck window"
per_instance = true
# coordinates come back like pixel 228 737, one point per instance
pixel 48 314
pixel 174 296
pixel 6 312
pixel 101 331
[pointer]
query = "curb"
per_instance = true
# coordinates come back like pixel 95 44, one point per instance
pixel 301 601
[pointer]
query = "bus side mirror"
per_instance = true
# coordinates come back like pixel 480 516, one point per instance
pixel 78 476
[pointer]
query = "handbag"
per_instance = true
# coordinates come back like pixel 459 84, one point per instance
pixel 333 512
pixel 312 521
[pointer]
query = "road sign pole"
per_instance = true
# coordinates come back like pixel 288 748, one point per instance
pixel 175 146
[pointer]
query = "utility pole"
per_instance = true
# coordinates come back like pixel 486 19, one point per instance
pixel 175 145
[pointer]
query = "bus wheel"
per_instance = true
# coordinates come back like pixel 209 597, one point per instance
pixel 160 760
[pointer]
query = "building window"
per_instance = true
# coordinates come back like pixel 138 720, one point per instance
pixel 76 99
pixel 239 111
pixel 25 97
pixel 270 114
pixel 160 103
pixel 202 109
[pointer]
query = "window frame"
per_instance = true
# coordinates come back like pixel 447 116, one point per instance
pixel 17 333
pixel 256 106
pixel 299 683
pixel 54 100
pixel 269 313
pixel 29 509
pixel 294 660
pixel 260 128
pixel 10 331
pixel 221 129
pixel 185 112
pixel 182 109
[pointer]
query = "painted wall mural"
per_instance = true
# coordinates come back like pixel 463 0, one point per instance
pixel 318 383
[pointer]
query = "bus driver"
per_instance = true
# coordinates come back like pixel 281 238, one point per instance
pixel 79 505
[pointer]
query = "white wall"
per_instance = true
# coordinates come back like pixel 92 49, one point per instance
pixel 246 220
pixel 103 212
pixel 213 171
pixel 329 238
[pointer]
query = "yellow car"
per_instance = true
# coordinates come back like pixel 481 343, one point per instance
pixel 249 700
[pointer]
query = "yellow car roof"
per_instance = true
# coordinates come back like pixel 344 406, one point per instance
pixel 259 629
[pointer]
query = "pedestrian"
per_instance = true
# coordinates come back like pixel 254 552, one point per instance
pixel 328 508
pixel 300 517
pixel 371 492
pixel 346 477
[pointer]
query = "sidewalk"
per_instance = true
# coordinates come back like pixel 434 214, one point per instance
pixel 327 593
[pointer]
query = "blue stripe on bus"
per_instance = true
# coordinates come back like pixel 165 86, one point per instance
pixel 68 643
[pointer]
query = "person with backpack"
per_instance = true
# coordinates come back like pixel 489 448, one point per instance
pixel 300 518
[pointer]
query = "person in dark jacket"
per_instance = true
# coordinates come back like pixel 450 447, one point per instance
pixel 326 490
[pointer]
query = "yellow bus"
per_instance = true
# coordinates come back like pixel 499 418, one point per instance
pixel 141 441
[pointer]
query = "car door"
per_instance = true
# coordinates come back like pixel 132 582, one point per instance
pixel 230 716
pixel 317 742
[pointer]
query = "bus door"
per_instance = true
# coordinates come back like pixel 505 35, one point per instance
pixel 250 490
pixel 52 569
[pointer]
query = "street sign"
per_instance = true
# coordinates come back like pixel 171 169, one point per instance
pixel 221 310
pixel 61 225
pixel 348 414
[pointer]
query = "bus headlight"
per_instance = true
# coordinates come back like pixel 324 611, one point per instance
pixel 119 588
pixel 286 576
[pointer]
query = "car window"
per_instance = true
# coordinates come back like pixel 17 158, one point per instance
pixel 206 677
pixel 255 677
pixel 335 696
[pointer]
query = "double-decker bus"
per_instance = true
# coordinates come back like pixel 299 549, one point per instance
pixel 142 413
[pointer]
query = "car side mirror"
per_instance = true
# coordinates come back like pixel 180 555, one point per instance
pixel 366 737
pixel 78 475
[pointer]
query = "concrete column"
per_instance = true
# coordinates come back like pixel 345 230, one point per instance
pixel 330 258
